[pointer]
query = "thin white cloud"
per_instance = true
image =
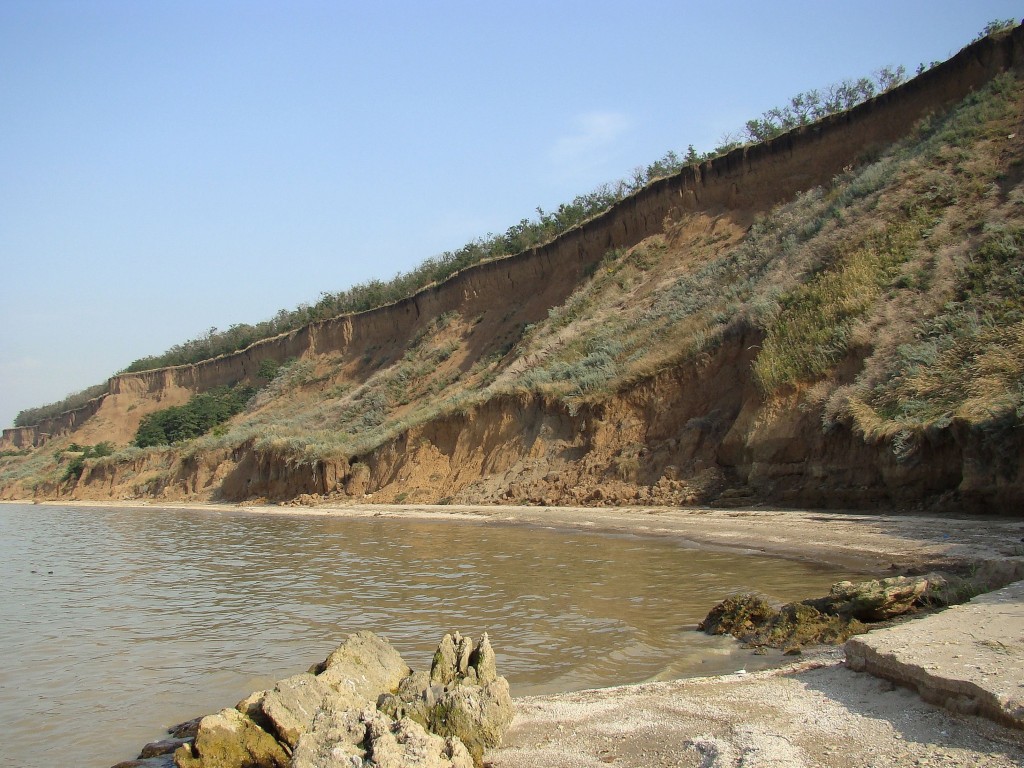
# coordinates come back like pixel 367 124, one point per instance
pixel 590 143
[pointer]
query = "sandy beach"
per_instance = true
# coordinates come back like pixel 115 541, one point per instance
pixel 815 711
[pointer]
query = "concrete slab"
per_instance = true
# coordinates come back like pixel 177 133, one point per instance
pixel 968 658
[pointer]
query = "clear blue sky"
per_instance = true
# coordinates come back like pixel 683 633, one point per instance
pixel 169 166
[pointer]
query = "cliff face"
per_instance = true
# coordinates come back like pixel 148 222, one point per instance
pixel 677 438
pixel 750 178
pixel 681 434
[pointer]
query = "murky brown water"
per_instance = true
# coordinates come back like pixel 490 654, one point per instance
pixel 115 623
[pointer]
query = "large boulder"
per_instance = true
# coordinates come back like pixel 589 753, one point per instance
pixel 352 677
pixel 288 709
pixel 364 665
pixel 230 739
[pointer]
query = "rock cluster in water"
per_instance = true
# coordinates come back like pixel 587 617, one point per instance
pixel 363 707
pixel 845 611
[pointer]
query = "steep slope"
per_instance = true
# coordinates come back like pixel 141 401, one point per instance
pixel 858 344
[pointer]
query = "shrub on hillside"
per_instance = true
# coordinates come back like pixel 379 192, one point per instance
pixel 76 466
pixel 197 417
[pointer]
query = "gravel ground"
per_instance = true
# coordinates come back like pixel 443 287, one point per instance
pixel 813 713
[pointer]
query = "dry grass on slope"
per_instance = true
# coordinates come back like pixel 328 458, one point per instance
pixel 908 265
pixel 946 342
pixel 865 266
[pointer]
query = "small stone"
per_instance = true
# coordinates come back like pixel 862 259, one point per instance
pixel 162 747
pixel 229 739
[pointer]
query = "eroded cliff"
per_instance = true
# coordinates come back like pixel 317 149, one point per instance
pixel 470 418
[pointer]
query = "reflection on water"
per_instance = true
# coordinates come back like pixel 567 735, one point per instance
pixel 116 622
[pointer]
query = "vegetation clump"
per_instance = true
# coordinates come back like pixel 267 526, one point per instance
pixel 30 416
pixel 76 466
pixel 198 416
pixel 753 621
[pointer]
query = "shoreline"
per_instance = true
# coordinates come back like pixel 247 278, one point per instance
pixel 864 541
pixel 815 711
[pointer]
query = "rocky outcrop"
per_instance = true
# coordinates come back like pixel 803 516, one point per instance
pixel 875 600
pixel 970 672
pixel 462 697
pixel 846 611
pixel 362 706
pixel 753 621
pixel 230 739
pixel 352 739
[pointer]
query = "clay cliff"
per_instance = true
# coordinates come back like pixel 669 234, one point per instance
pixel 695 425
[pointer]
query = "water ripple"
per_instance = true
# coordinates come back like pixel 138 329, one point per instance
pixel 114 622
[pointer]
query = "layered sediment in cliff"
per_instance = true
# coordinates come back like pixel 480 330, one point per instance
pixel 683 436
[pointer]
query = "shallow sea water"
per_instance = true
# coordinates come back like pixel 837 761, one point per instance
pixel 116 623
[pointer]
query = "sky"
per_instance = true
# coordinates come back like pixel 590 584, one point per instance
pixel 171 166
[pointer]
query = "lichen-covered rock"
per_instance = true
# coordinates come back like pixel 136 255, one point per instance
pixel 457 660
pixel 334 740
pixel 413 699
pixel 445 666
pixel 464 648
pixel 365 665
pixel 229 739
pixel 875 600
pixel 478 715
pixel 252 707
pixel 290 706
pixel 405 744
pixel 353 739
pixel 484 662
pixel 463 696
pixel 364 707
